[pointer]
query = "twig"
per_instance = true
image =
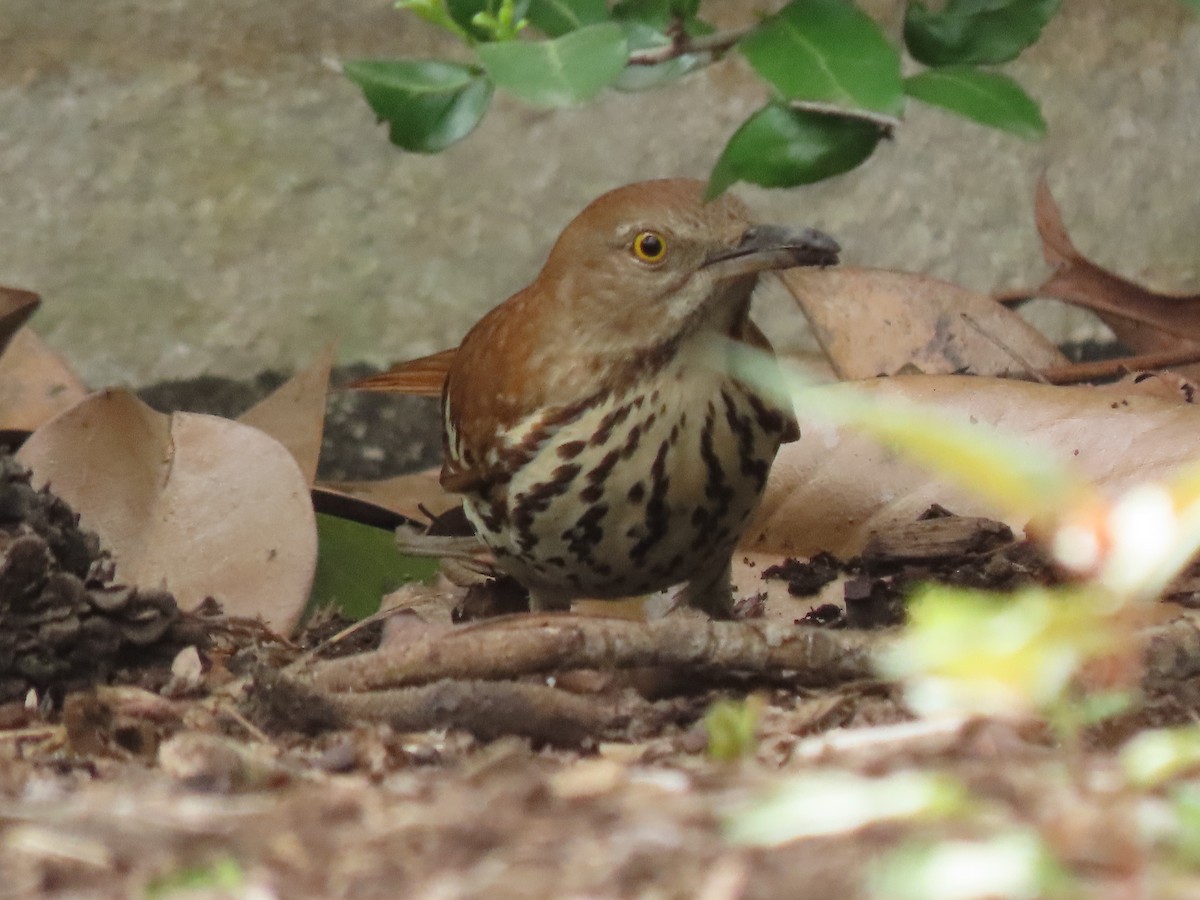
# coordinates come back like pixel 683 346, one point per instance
pixel 885 123
pixel 530 644
pixel 353 628
pixel 246 725
pixel 486 709
pixel 1016 296
pixel 489 710
pixel 681 45
pixel 1074 373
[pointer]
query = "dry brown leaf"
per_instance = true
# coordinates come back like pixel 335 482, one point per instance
pixel 1182 358
pixel 832 488
pixel 16 306
pixel 1165 385
pixel 1143 320
pixel 876 322
pixel 410 495
pixel 208 506
pixel 35 383
pixel 294 414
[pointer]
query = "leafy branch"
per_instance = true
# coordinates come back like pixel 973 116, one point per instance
pixel 835 78
pixel 683 45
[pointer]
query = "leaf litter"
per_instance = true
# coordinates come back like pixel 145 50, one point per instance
pixel 204 506
pixel 260 763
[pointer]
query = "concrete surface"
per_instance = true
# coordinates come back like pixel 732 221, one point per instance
pixel 193 190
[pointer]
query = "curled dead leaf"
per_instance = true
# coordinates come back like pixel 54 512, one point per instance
pixel 36 384
pixel 833 487
pixel 207 506
pixel 294 414
pixel 16 306
pixel 1144 320
pixel 875 322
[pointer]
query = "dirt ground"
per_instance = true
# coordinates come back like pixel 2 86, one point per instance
pixel 179 787
pixel 198 775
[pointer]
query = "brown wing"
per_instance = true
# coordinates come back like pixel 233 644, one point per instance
pixel 754 337
pixel 424 377
pixel 427 377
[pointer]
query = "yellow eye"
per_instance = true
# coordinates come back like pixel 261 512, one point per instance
pixel 649 246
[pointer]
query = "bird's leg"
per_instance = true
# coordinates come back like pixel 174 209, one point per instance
pixel 710 591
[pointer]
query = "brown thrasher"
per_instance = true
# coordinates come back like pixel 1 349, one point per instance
pixel 590 423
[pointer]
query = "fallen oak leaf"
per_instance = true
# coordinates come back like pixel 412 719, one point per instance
pixel 36 384
pixel 294 414
pixel 1143 320
pixel 207 506
pixel 1167 385
pixel 16 306
pixel 833 487
pixel 877 322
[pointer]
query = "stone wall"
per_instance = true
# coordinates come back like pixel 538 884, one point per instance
pixel 192 189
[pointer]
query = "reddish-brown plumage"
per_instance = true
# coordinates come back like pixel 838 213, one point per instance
pixel 590 423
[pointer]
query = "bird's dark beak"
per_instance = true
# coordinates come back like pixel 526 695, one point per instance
pixel 766 247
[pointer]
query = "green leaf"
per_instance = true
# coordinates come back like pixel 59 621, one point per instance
pixel 1007 862
pixel 561 72
pixel 1156 756
pixel 823 802
pixel 1193 5
pixel 555 18
pixel 986 97
pixel 732 728
pixel 827 50
pixel 222 876
pixel 968 652
pixel 357 564
pixel 782 147
pixel 428 104
pixel 975 32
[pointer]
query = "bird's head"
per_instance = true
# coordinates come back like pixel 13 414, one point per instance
pixel 650 261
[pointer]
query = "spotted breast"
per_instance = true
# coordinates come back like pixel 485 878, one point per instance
pixel 633 492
